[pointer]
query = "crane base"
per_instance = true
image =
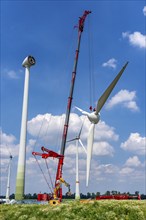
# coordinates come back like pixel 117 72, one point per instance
pixel 54 202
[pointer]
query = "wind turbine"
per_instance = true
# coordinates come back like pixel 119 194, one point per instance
pixel 94 118
pixel 78 140
pixel 8 181
pixel 20 179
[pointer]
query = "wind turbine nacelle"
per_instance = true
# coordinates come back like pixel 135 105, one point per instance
pixel 28 61
pixel 93 117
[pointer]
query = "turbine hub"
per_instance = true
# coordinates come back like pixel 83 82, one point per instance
pixel 93 118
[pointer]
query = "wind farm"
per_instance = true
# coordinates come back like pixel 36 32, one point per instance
pixel 93 117
pixel 80 150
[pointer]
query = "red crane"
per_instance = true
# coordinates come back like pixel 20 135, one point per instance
pixel 53 154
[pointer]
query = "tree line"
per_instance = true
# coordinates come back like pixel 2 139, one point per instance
pixel 82 196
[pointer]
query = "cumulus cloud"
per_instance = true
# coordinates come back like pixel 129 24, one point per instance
pixel 99 149
pixel 144 10
pixel 30 145
pixel 8 144
pixel 103 149
pixel 108 168
pixel 110 63
pixel 8 147
pixel 49 126
pixel 136 39
pixel 124 98
pixel 12 74
pixel 71 150
pixel 135 144
pixel 126 171
pixel 133 162
pixel 105 132
pixel 46 127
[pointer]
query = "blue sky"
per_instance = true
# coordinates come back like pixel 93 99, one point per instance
pixel 45 30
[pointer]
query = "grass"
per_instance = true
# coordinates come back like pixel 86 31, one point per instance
pixel 94 210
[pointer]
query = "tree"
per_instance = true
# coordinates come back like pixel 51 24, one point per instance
pixel 107 193
pixel 12 196
pixel 98 194
pixel 93 195
pixel 136 193
pixel 88 195
pixel 114 192
pixel 34 196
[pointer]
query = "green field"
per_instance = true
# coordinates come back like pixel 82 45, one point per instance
pixel 94 210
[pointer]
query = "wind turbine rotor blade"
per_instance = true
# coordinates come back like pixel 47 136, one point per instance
pixel 82 146
pixel 108 91
pixel 80 130
pixel 82 111
pixel 72 140
pixel 89 150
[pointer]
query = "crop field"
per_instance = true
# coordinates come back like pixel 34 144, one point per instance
pixel 94 210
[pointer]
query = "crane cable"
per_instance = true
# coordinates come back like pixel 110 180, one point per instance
pixel 41 126
pixel 91 64
pixel 40 130
pixel 49 172
pixel 43 174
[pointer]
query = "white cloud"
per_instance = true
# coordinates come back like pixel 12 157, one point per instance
pixel 48 126
pixel 103 149
pixel 135 144
pixel 136 39
pixel 110 63
pixel 105 132
pixel 99 149
pixel 100 172
pixel 12 74
pixel 144 10
pixel 108 168
pixel 124 98
pixel 126 171
pixel 30 146
pixel 8 144
pixel 71 150
pixel 8 147
pixel 7 138
pixel 133 162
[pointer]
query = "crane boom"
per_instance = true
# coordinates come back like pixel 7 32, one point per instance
pixel 65 130
pixel 48 153
pixel 80 30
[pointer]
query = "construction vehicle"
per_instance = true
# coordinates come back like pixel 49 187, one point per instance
pixel 55 200
pixel 118 197
pixel 57 195
pixel 59 185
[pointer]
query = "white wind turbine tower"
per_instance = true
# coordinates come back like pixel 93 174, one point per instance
pixel 78 140
pixel 94 118
pixel 20 180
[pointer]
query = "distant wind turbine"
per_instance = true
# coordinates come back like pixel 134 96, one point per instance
pixel 8 180
pixel 94 118
pixel 9 174
pixel 78 140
